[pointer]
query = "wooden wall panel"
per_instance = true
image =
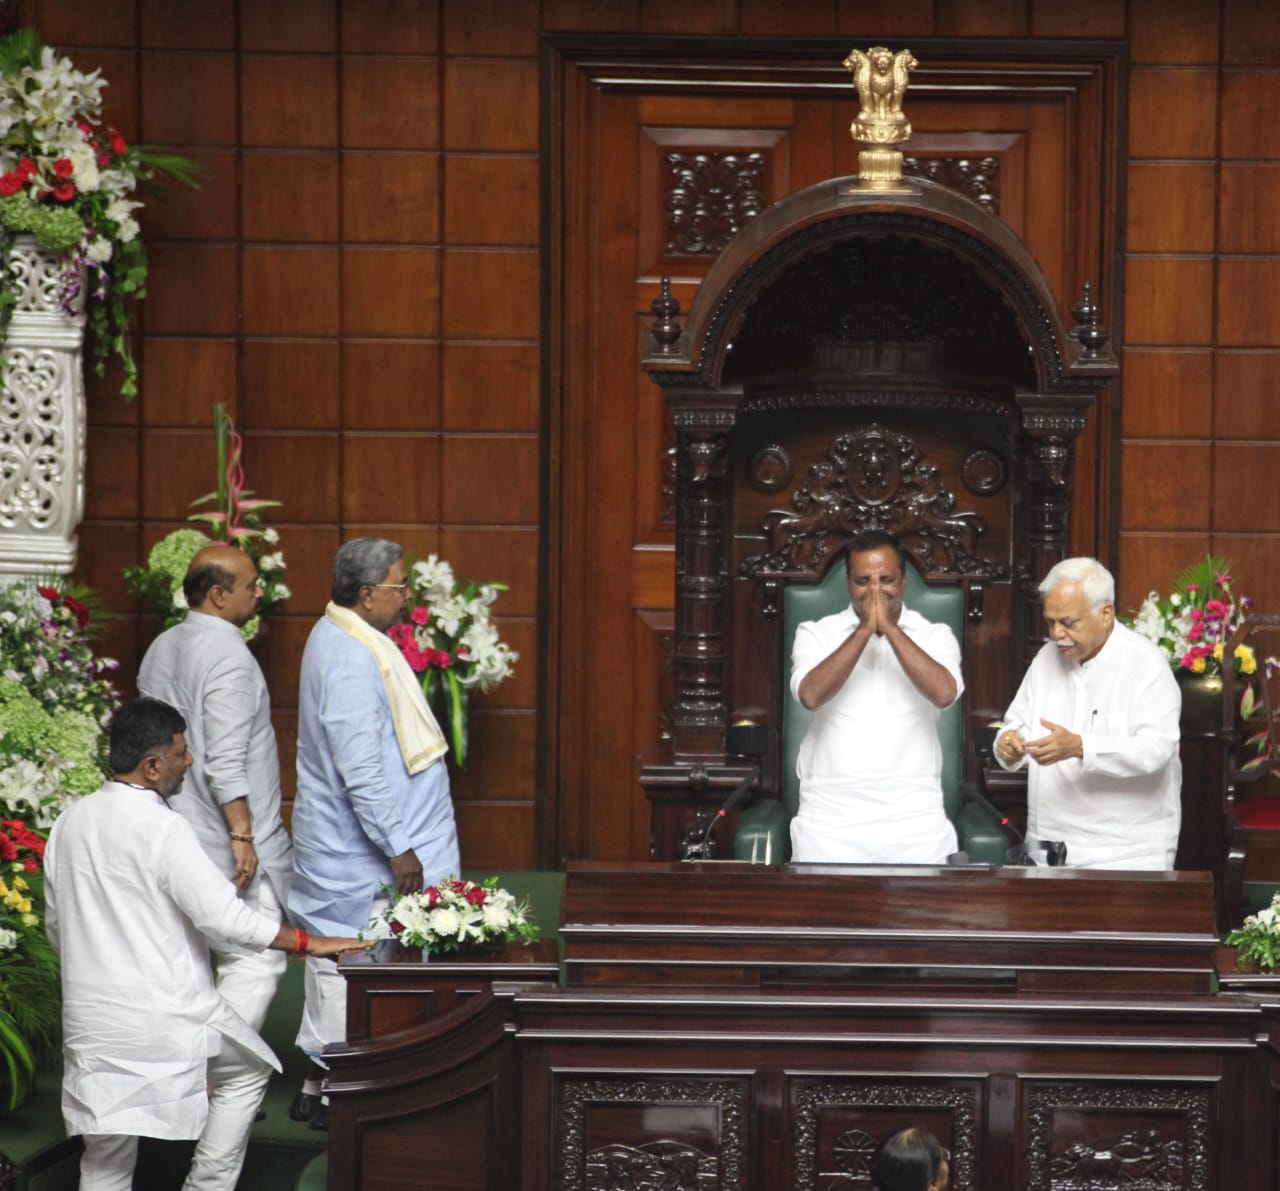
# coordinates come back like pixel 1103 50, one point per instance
pixel 289 100
pixel 183 378
pixel 1169 301
pixel 287 383
pixel 1171 207
pixel 264 173
pixel 169 84
pixel 1247 384
pixel 1173 31
pixel 1153 485
pixel 390 385
pixel 1249 197
pixel 1168 394
pixel 1171 113
pixel 1250 32
pixel 390 197
pixel 295 25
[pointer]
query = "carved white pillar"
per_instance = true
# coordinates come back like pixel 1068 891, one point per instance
pixel 42 418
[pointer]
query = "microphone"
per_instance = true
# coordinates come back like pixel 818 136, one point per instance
pixel 743 739
pixel 1025 853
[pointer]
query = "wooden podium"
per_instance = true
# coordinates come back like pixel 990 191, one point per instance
pixel 736 1026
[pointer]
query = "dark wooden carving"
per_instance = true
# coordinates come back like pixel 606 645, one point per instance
pixel 1073 1144
pixel 977 177
pixel 645 1163
pixel 873 479
pixel 854 1146
pixel 712 195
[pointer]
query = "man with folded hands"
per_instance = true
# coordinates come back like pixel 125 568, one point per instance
pixel 372 805
pixel 149 1047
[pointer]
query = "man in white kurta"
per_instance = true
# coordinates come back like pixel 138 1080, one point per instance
pixel 875 677
pixel 1095 722
pixel 149 1047
pixel 231 796
pixel 372 807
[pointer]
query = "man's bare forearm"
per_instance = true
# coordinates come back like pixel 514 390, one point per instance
pixel 830 674
pixel 932 679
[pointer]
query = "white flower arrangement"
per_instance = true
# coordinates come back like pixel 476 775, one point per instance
pixel 456 916
pixel 452 644
pixel 1257 940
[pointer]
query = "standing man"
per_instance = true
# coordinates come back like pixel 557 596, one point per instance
pixel 1096 721
pixel 372 805
pixel 875 677
pixel 232 797
pixel 149 1047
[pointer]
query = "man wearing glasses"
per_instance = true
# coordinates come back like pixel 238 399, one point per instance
pixel 372 805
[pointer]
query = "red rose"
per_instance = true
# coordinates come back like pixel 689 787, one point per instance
pixel 78 610
pixel 64 192
pixel 10 184
pixel 104 159
pixel 62 168
pixel 49 593
pixel 117 142
pixel 26 169
pixel 432 894
pixel 30 866
pixel 477 896
pixel 8 849
pixel 397 928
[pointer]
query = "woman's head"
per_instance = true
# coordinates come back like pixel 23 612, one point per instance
pixel 909 1160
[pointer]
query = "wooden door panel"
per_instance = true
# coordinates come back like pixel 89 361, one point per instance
pixel 623 128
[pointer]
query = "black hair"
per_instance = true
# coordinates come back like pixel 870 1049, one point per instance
pixel 874 539
pixel 908 1160
pixel 202 579
pixel 141 728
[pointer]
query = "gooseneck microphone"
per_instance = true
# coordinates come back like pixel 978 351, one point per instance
pixel 744 739
pixel 1025 853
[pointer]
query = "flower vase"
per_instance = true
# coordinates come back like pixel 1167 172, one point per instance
pixel 1201 703
pixel 42 414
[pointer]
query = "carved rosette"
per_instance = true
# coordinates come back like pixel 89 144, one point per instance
pixel 42 418
pixel 873 478
pixel 668 1163
pixel 1159 1140
pixel 850 1150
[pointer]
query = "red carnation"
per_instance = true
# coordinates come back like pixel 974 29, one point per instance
pixel 64 192
pixel 10 184
pixel 419 616
pixel 62 168
pixel 30 866
pixel 26 169
pixel 117 142
pixel 78 610
pixel 49 593
pixel 104 159
pixel 8 849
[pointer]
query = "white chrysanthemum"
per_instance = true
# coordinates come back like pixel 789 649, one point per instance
pixel 496 916
pixel 444 922
pixel 85 166
pixel 8 939
pixel 99 250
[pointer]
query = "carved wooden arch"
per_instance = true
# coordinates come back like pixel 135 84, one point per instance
pixel 807 221
pixel 688 359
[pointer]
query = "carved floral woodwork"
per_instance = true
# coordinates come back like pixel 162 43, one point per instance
pixel 712 197
pixel 976 177
pixel 873 478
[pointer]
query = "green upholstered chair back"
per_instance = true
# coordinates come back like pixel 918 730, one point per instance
pixel 801 602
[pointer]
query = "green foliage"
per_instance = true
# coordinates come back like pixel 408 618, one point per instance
pixel 1257 939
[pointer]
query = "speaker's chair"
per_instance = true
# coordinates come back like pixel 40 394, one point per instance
pixel 764 829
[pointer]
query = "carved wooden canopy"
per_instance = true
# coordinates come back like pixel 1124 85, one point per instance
pixel 863 359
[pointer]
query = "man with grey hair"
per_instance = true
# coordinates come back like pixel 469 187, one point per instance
pixel 372 805
pixel 1096 723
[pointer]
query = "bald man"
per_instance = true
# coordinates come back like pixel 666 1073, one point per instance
pixel 231 796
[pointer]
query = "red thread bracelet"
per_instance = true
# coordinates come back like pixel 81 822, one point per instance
pixel 301 942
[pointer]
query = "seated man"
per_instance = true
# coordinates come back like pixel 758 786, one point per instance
pixel 875 677
pixel 1096 718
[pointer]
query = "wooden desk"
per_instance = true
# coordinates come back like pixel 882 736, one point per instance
pixel 395 988
pixel 799 1017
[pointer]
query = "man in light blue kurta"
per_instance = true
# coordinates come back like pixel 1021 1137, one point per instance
pixel 372 806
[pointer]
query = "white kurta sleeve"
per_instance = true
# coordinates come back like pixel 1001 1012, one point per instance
pixel 807 650
pixel 1019 715
pixel 204 895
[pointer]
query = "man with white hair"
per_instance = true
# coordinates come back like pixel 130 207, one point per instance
pixel 1096 723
